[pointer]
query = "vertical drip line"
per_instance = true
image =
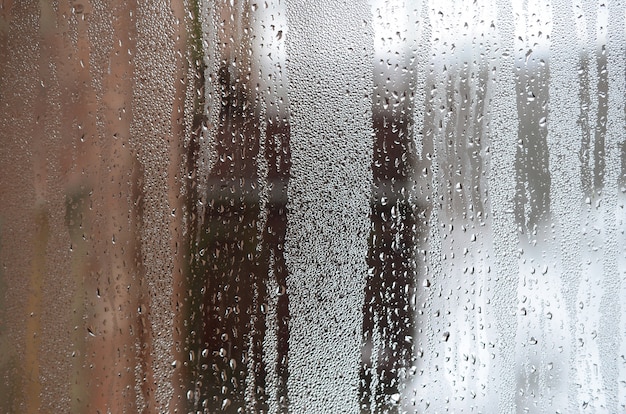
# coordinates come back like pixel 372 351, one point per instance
pixel 230 262
pixel 562 274
pixel 587 92
pixel 209 94
pixel 480 211
pixel 196 143
pixel 433 167
pixel 617 120
pixel 277 154
pixel 531 161
pixel 539 283
pixel 611 117
pixel 256 381
pixel 274 165
pixel 572 272
pixel 391 271
pixel 582 284
pixel 600 130
pixel 239 241
pixel 450 206
pixel 463 150
pixel 423 111
pixel 256 377
pixel 502 283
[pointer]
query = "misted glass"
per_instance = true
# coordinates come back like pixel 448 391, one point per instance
pixel 288 206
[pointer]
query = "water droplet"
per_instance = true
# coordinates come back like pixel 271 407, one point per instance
pixel 542 122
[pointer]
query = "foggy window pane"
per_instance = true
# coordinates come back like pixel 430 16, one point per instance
pixel 282 206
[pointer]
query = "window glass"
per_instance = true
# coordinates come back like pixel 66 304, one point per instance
pixel 286 206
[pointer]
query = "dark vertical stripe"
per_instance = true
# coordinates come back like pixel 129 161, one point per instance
pixel 477 140
pixel 532 198
pixel 226 276
pixel 390 282
pixel 230 239
pixel 278 156
pixel 583 122
pixel 599 150
pixel 192 305
pixel 593 176
pixel 621 180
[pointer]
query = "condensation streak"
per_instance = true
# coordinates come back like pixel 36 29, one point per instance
pixel 555 345
pixel 501 285
pixel 388 316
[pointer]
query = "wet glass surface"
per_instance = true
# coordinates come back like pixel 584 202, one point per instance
pixel 288 206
